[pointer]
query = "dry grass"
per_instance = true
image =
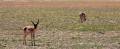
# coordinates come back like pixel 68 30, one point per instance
pixel 59 26
pixel 65 40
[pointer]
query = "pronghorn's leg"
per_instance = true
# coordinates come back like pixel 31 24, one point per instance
pixel 84 19
pixel 24 39
pixel 32 39
pixel 81 19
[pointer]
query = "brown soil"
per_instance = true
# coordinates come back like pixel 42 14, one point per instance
pixel 62 4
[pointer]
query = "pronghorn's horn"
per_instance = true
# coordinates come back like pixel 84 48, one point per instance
pixel 33 23
pixel 37 22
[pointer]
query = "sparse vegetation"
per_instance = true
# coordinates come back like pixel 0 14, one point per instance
pixel 61 19
pixel 60 28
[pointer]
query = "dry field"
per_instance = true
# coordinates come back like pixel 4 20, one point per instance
pixel 59 26
pixel 62 4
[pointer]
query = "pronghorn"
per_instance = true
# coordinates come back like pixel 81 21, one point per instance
pixel 82 17
pixel 30 30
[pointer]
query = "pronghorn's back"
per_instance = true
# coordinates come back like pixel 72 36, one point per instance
pixel 29 29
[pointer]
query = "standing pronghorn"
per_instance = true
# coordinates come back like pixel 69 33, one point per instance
pixel 82 17
pixel 30 30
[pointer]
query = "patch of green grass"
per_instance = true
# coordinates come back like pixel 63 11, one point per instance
pixel 101 19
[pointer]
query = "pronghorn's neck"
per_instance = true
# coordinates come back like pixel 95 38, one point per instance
pixel 35 26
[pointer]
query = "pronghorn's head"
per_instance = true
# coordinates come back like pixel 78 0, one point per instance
pixel 35 24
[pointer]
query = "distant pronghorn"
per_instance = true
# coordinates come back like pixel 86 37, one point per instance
pixel 30 30
pixel 82 17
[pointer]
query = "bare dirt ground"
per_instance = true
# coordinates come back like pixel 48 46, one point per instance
pixel 62 4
